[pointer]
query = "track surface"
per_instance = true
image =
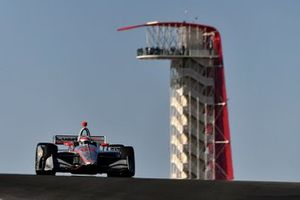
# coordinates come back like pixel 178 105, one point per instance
pixel 64 187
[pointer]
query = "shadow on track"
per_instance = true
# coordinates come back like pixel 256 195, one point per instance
pixel 14 187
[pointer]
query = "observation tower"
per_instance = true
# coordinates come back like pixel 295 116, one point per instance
pixel 199 126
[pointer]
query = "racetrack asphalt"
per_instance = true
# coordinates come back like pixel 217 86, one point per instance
pixel 16 187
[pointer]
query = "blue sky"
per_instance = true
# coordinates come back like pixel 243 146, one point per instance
pixel 62 62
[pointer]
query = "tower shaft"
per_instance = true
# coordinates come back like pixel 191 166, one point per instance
pixel 199 126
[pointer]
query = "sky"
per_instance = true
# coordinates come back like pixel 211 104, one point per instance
pixel 62 62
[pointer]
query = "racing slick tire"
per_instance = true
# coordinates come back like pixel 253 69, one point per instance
pixel 45 159
pixel 127 153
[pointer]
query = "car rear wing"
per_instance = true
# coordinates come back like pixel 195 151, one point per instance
pixel 61 139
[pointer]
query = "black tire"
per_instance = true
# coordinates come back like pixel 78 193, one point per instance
pixel 128 153
pixel 48 149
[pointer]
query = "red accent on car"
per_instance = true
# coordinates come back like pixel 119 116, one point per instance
pixel 68 143
pixel 84 124
pixel 84 138
pixel 104 144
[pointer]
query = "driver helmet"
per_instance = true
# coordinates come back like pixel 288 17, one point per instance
pixel 84 140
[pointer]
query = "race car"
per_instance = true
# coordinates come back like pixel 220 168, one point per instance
pixel 84 154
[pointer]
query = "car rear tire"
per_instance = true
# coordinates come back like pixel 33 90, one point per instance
pixel 127 152
pixel 43 152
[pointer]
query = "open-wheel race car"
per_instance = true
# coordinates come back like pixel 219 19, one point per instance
pixel 84 154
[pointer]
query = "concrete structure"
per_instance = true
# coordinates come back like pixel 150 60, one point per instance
pixel 199 128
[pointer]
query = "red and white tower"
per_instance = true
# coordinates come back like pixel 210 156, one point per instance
pixel 199 125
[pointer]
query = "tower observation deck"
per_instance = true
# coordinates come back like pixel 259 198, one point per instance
pixel 199 125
